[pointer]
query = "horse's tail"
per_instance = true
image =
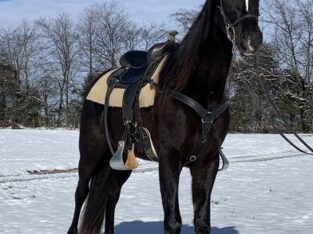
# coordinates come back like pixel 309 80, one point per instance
pixel 94 211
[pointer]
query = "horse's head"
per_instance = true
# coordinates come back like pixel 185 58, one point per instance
pixel 241 21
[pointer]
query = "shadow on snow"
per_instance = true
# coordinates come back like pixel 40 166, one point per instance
pixel 139 227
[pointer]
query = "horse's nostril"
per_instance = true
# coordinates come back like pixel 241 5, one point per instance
pixel 250 46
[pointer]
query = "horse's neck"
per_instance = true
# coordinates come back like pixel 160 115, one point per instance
pixel 205 56
pixel 210 73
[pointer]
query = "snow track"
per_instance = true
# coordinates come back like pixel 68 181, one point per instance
pixel 266 157
pixel 24 178
pixel 144 167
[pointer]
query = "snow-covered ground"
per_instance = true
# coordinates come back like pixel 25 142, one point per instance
pixel 267 189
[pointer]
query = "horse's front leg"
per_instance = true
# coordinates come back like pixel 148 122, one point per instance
pixel 169 171
pixel 202 185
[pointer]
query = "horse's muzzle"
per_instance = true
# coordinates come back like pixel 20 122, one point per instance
pixel 250 42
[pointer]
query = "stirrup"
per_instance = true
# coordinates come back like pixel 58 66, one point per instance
pixel 148 146
pixel 117 162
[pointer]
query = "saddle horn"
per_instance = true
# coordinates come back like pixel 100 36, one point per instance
pixel 172 35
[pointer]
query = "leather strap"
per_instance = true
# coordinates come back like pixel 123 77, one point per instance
pixel 105 115
pixel 205 115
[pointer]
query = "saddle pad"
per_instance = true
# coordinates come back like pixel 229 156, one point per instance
pixel 146 96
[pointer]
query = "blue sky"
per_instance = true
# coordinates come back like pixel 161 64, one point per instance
pixel 148 11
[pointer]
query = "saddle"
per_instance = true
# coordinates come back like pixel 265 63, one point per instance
pixel 136 70
pixel 130 76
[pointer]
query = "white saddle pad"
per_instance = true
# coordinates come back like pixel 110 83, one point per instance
pixel 146 96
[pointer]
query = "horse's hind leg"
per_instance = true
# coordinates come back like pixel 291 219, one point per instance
pixel 117 179
pixel 202 185
pixel 92 151
pixel 80 196
pixel 86 169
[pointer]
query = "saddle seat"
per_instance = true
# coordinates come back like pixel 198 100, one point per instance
pixel 135 59
pixel 133 65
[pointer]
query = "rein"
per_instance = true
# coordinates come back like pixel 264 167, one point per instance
pixel 286 122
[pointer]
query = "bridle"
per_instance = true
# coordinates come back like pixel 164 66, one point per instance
pixel 231 26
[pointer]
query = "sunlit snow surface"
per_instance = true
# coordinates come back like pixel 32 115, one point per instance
pixel 267 189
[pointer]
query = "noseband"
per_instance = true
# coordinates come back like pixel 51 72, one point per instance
pixel 231 26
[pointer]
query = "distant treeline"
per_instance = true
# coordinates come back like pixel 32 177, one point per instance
pixel 46 65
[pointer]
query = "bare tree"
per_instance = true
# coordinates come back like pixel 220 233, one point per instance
pixel 106 32
pixel 292 34
pixel 19 48
pixel 185 18
pixel 112 24
pixel 130 39
pixel 61 63
pixel 87 28
pixel 7 89
pixel 152 34
pixel 305 35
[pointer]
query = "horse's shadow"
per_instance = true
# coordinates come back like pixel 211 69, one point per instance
pixel 139 227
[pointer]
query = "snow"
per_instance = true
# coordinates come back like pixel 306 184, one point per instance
pixel 267 188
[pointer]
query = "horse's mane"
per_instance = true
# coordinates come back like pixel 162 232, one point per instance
pixel 182 62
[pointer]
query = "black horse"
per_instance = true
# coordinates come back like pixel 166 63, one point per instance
pixel 197 69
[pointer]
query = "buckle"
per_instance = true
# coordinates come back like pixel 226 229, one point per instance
pixel 208 118
pixel 231 32
pixel 112 81
pixel 207 122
